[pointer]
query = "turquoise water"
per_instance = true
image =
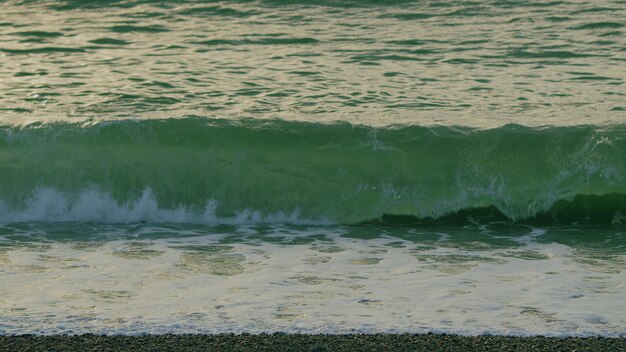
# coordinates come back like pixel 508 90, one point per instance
pixel 183 166
pixel 209 171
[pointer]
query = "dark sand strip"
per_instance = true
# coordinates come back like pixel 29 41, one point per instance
pixel 298 342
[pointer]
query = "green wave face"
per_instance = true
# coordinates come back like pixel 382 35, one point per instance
pixel 335 172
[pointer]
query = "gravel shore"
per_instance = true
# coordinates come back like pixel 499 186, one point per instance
pixel 303 342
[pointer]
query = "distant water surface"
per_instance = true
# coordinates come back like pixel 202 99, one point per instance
pixel 472 63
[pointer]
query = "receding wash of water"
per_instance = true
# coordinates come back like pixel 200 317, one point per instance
pixel 325 166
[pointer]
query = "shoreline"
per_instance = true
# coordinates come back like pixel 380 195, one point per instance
pixel 307 342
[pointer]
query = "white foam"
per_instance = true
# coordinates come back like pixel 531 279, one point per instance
pixel 531 236
pixel 48 204
pixel 300 288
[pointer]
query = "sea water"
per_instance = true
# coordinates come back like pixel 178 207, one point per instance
pixel 313 166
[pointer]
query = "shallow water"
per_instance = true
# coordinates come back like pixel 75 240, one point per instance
pixel 190 279
pixel 313 166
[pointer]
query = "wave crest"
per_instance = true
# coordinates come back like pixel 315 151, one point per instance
pixel 220 171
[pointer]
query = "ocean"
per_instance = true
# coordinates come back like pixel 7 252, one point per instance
pixel 348 166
